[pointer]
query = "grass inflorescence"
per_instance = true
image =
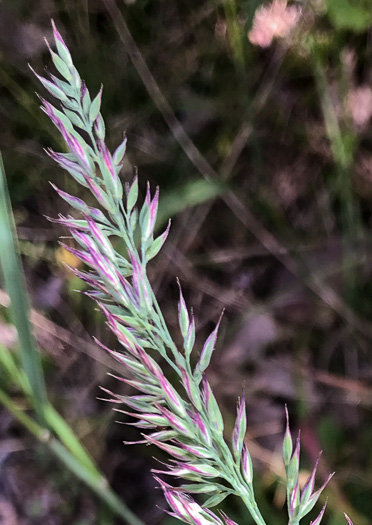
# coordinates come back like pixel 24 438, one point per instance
pixel 183 417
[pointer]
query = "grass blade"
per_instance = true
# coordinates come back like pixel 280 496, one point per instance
pixel 15 286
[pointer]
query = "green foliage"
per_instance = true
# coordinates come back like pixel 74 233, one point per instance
pixel 349 15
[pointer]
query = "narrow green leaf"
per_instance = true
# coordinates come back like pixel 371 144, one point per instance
pixel 67 436
pixel 186 196
pixel 16 374
pixel 15 286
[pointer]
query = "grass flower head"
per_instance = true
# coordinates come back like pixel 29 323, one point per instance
pixel 190 421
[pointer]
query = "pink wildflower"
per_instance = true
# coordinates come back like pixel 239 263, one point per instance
pixel 274 20
pixel 360 105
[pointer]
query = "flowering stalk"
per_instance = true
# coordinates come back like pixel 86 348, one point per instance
pixel 190 421
pixel 299 502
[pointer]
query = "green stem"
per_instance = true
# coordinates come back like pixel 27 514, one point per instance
pixel 244 490
pixel 97 483
pixel 252 507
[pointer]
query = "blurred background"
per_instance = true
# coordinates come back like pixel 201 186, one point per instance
pixel 255 121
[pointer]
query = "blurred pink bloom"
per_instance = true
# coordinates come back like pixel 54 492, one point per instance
pixel 360 105
pixel 273 20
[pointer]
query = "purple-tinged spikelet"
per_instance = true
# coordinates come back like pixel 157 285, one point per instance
pixel 176 422
pixel 287 441
pixel 247 468
pixel 228 521
pixel 192 390
pixel 202 427
pixel 318 519
pixel 309 485
pixel 206 352
pixel 239 429
pixel 61 46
